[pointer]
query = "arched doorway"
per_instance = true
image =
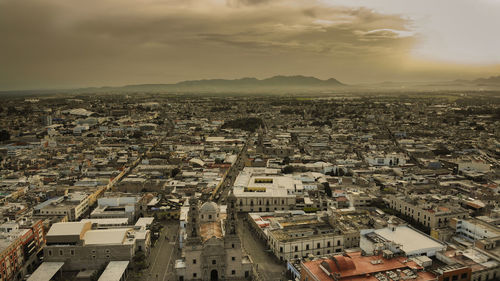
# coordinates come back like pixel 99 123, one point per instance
pixel 214 275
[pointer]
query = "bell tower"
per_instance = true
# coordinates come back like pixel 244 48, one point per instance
pixel 193 234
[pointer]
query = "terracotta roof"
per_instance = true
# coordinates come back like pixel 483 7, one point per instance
pixel 354 266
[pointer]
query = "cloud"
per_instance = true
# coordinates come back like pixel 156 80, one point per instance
pixel 47 43
pixel 237 3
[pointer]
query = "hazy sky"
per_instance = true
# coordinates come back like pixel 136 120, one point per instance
pixel 75 43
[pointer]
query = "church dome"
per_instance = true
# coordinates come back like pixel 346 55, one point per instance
pixel 209 207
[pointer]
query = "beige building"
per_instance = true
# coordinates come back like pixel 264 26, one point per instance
pixel 429 214
pixel 81 247
pixel 72 205
pixel 299 241
pixel 212 249
pixel 295 234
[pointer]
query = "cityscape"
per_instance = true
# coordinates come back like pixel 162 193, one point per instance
pixel 249 140
pixel 183 187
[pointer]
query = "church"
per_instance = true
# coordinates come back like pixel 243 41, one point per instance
pixel 212 250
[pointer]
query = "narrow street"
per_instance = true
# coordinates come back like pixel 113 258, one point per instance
pixel 269 268
pixel 162 257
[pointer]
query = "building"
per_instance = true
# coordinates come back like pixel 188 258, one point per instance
pixel 73 206
pixel 483 266
pixel 351 221
pixel 357 267
pixel 295 234
pixel 425 212
pixel 392 159
pixel 258 191
pixel 80 246
pixel 400 240
pixel 302 239
pixel 484 235
pixel 212 248
pixel 116 207
pixel 19 245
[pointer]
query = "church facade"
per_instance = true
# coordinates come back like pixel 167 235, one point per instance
pixel 212 251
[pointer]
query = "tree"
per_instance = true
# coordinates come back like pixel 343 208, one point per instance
pixel 288 169
pixel 137 135
pixel 4 135
pixel 139 261
pixel 286 160
pixel 95 276
pixel 328 190
pixel 174 172
pixel 341 172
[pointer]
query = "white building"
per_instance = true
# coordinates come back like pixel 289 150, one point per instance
pixel 399 239
pixel 257 191
pixel 392 159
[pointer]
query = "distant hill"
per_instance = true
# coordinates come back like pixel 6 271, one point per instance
pixel 280 84
pixel 244 84
pixel 493 80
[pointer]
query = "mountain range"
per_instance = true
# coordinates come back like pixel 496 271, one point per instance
pixel 284 84
pixel 244 84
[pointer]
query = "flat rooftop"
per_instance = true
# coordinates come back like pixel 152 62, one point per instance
pixel 114 271
pixel 410 239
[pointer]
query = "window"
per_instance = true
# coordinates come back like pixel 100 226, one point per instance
pixel 296 248
pixel 318 245
pixel 194 275
pixel 338 242
pixel 464 275
pixel 233 258
pixel 72 252
pixel 446 279
pixel 194 261
pixel 233 272
pixel 337 251
pixel 328 244
pixel 454 278
pixel 209 217
pixel 61 252
pixel 232 245
pixel 281 249
pixel 93 257
pixel 50 252
pixel 307 247
pixel 214 262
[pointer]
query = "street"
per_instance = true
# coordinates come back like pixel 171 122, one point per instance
pixel 267 265
pixel 163 255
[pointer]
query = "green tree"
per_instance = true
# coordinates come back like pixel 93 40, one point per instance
pixel 328 190
pixel 286 160
pixel 288 169
pixel 4 135
pixel 174 172
pixel 139 261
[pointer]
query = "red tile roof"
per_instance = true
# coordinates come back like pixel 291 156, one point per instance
pixel 354 266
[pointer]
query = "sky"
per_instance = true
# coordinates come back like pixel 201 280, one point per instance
pixel 53 44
